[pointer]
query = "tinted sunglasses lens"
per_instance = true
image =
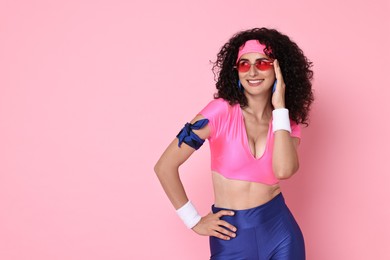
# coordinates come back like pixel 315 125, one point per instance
pixel 263 65
pixel 243 66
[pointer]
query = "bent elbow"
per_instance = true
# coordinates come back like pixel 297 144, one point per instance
pixel 282 173
pixel 164 167
pixel 159 168
pixel 156 168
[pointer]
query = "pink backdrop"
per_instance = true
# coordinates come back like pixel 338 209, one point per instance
pixel 91 92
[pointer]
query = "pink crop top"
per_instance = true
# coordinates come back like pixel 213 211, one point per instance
pixel 230 153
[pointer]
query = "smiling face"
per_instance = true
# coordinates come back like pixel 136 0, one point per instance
pixel 257 81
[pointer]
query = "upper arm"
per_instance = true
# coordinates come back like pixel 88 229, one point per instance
pixel 174 155
pixel 215 112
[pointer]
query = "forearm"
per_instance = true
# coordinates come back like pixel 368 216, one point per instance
pixel 285 157
pixel 172 185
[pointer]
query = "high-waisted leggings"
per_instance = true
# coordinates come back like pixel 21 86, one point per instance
pixel 266 232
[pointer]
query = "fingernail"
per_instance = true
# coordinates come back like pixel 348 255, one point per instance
pixel 234 235
pixel 232 213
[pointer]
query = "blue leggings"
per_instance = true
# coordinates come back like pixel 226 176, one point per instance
pixel 267 232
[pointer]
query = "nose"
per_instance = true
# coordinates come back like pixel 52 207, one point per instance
pixel 253 70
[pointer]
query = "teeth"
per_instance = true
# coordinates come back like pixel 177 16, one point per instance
pixel 255 81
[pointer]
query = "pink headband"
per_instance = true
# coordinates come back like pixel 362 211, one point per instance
pixel 250 46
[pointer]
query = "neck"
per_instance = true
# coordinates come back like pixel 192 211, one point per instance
pixel 260 106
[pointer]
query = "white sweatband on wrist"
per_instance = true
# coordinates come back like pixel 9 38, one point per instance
pixel 280 120
pixel 189 214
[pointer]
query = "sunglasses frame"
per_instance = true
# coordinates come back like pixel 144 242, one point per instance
pixel 259 61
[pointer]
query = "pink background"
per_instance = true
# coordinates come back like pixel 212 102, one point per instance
pixel 91 92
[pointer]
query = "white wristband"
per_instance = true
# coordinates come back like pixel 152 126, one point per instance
pixel 189 214
pixel 281 120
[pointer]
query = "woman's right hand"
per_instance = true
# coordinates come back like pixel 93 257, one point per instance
pixel 212 225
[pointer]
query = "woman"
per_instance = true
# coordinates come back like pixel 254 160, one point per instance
pixel 264 93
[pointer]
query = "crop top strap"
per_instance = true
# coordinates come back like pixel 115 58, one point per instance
pixel 187 136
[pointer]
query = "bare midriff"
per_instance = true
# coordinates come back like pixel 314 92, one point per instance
pixel 238 195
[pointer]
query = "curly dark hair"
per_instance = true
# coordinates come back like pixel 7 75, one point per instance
pixel 295 68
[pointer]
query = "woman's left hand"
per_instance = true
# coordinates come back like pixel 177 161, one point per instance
pixel 278 97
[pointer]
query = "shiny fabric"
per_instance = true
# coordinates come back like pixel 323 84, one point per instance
pixel 190 138
pixel 266 232
pixel 230 153
pixel 250 46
